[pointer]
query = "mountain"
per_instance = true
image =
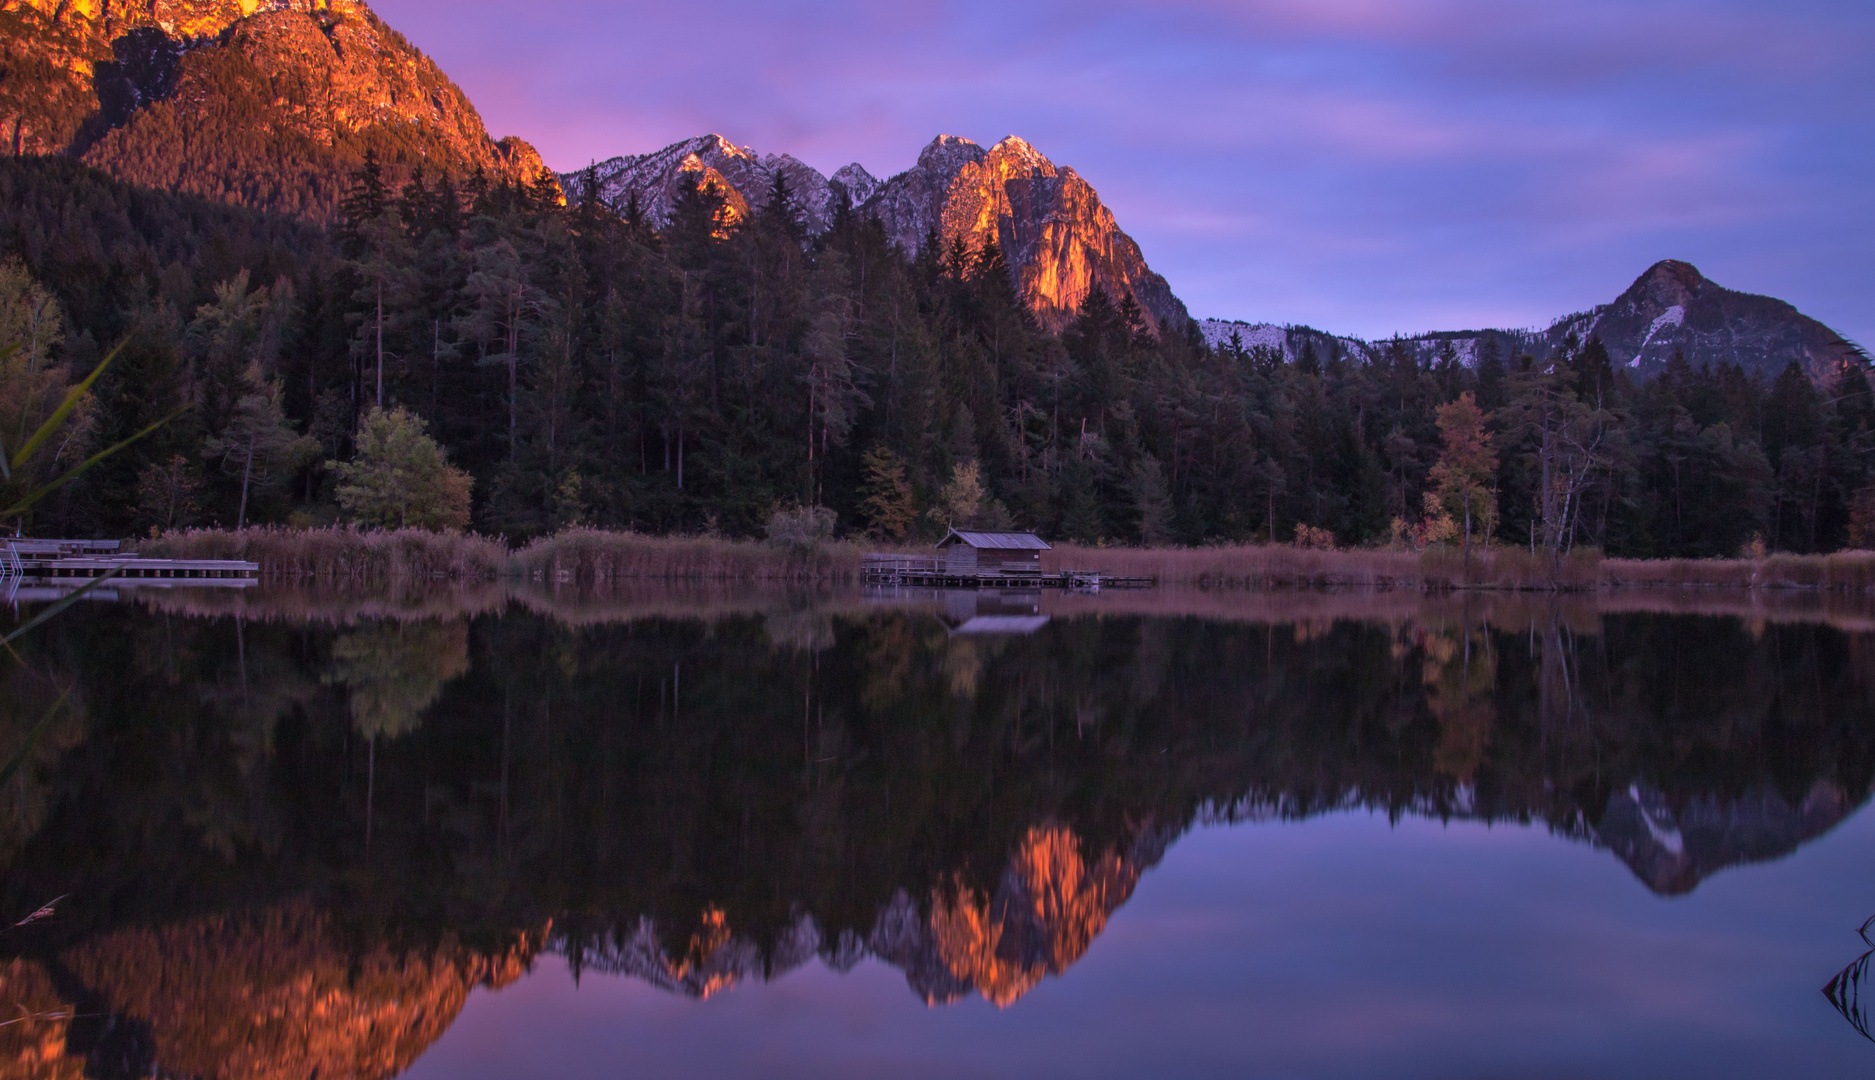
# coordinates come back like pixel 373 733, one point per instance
pixel 746 178
pixel 1673 847
pixel 1673 307
pixel 276 993
pixel 270 105
pixel 1670 308
pixel 1059 239
pixel 1050 903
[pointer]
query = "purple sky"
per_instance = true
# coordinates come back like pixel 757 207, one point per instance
pixel 1363 166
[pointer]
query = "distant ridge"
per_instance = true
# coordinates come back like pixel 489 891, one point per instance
pixel 1671 308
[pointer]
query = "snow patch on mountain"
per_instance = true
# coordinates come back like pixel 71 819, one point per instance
pixel 858 184
pixel 652 178
pixel 1673 316
pixel 1218 332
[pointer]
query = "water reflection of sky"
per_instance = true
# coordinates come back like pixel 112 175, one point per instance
pixel 1337 947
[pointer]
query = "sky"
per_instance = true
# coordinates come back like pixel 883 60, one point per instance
pixel 1366 167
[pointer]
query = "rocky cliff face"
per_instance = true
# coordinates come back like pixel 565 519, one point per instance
pixel 1050 904
pixel 271 105
pixel 279 993
pixel 747 179
pixel 1059 239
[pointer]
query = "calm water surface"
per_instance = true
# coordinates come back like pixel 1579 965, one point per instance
pixel 714 833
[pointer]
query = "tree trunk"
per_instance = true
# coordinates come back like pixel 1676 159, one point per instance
pixel 380 341
pixel 514 364
pixel 1468 537
pixel 240 520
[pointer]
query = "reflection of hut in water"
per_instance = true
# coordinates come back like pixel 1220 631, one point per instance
pixel 990 552
pixel 994 611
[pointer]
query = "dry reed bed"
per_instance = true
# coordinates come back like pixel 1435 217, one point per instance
pixel 1245 566
pixel 340 553
pixel 1262 566
pixel 629 600
pixel 1267 566
pixel 593 555
pixel 1841 572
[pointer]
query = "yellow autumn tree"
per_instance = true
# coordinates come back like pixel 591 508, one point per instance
pixel 1467 467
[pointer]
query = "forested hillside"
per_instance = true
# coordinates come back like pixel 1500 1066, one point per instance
pixel 587 368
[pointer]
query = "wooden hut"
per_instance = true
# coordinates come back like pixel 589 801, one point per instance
pixel 992 552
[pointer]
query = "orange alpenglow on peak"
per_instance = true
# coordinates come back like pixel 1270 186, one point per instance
pixel 1059 240
pixel 281 992
pixel 1045 912
pixel 263 104
pixel 1050 908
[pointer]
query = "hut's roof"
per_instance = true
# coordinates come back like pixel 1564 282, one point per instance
pixel 1008 541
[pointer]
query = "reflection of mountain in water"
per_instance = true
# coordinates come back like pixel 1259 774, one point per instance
pixel 1047 908
pixel 276 993
pixel 297 845
pixel 1672 849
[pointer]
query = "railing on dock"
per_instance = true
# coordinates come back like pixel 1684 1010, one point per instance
pixel 65 549
pixel 75 562
pixel 11 571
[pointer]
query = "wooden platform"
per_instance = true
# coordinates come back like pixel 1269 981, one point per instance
pixel 938 572
pixel 131 568
pixel 67 564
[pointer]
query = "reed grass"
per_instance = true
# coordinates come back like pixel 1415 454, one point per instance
pixel 1251 566
pixel 595 555
pixel 1265 566
pixel 340 553
pixel 1851 572
pixel 1280 566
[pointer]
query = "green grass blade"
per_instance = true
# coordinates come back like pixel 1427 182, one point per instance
pixel 62 603
pixel 6 468
pixel 40 493
pixel 59 415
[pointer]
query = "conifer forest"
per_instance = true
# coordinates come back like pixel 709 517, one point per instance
pixel 584 366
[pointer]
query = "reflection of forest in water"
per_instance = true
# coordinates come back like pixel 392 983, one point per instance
pixel 295 843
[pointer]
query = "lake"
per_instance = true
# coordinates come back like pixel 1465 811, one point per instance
pixel 498 832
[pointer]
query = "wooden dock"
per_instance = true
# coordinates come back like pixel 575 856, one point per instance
pixel 72 563
pixel 935 571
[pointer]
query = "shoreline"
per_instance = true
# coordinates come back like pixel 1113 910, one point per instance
pixel 592 556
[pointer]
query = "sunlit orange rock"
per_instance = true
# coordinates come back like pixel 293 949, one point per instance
pixel 1047 909
pixel 32 1044
pixel 281 994
pixel 259 103
pixel 1059 239
pixel 1050 906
